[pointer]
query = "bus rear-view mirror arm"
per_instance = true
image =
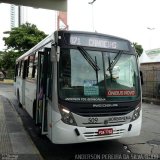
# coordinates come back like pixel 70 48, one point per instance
pixel 55 53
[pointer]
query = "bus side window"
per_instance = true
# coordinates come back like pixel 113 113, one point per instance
pixel 27 66
pixel 35 63
pixel 22 68
pixel 65 74
pixel 16 68
pixel 19 68
pixel 34 71
pixel 30 66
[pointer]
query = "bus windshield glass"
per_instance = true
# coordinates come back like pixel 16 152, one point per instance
pixel 87 76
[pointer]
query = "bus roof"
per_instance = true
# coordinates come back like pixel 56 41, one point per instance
pixel 94 33
pixel 50 38
pixel 42 43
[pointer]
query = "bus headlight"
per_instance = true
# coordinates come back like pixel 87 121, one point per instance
pixel 67 116
pixel 136 113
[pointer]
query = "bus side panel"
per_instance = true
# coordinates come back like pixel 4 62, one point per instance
pixel 20 93
pixel 53 117
pixel 23 92
pixel 15 88
pixel 17 85
pixel 56 118
pixel 30 96
pixel 49 120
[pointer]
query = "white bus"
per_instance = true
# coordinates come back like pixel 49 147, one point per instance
pixel 81 87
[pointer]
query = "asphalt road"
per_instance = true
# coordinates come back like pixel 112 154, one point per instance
pixel 148 143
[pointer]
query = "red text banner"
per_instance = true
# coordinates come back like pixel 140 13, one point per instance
pixel 121 93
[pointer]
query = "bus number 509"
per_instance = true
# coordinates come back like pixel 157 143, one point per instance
pixel 92 120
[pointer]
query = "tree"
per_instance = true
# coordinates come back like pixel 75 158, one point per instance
pixel 7 63
pixel 8 59
pixel 20 40
pixel 23 38
pixel 1 57
pixel 138 48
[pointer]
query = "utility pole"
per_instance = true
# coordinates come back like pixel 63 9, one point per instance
pixel 91 3
pixel 62 21
pixel 19 16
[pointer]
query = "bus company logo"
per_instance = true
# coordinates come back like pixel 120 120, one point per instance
pixel 104 105
pixel 119 119
pixel 105 122
pixel 121 93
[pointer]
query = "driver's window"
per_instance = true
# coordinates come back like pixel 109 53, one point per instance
pixel 65 70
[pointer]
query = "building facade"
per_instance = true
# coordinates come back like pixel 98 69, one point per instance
pixel 150 67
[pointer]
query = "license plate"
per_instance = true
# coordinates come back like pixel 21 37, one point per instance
pixel 106 131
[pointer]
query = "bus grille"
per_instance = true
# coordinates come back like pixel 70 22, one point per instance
pixel 101 112
pixel 94 135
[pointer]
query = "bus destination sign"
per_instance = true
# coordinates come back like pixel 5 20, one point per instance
pixel 98 41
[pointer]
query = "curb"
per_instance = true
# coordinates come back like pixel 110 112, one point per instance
pixel 7 81
pixel 151 100
pixel 17 141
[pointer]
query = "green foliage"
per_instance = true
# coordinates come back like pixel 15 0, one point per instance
pixel 1 57
pixel 138 48
pixel 1 54
pixel 7 62
pixel 10 74
pixel 20 40
pixel 8 59
pixel 24 37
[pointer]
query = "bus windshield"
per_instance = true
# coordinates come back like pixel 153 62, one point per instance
pixel 87 76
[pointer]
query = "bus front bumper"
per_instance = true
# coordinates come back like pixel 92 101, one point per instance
pixel 66 134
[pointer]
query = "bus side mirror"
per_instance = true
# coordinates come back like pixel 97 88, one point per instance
pixel 141 76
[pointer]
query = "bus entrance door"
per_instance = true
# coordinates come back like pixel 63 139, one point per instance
pixel 41 108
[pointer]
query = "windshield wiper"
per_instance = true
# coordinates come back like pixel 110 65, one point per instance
pixel 114 61
pixel 89 58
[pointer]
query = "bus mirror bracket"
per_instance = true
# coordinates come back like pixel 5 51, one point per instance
pixel 58 53
pixel 55 53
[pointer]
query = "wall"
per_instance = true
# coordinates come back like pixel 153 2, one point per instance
pixel 151 78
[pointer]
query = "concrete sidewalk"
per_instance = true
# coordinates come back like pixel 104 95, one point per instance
pixel 14 141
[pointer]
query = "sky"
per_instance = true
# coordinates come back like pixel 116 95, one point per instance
pixel 44 20
pixel 124 18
